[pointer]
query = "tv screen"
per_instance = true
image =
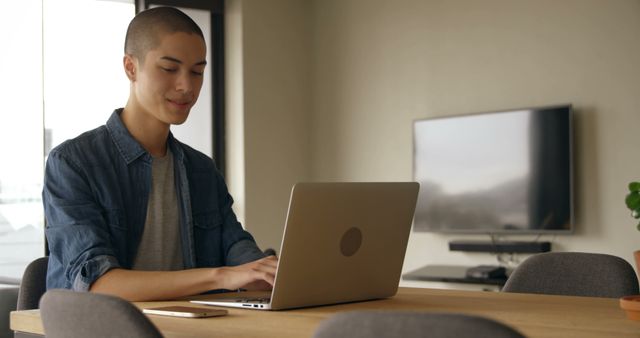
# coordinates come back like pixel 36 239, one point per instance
pixel 502 172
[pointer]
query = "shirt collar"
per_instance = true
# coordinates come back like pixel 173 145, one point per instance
pixel 176 147
pixel 129 148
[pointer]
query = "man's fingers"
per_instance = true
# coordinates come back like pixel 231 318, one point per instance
pixel 260 272
pixel 270 261
pixel 267 274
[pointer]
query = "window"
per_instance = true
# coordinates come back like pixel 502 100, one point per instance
pixel 62 75
pixel 83 77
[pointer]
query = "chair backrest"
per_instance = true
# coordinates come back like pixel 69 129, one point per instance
pixel 70 314
pixel 371 324
pixel 574 274
pixel 33 285
pixel 8 299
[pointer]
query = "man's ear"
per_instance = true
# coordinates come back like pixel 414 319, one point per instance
pixel 130 66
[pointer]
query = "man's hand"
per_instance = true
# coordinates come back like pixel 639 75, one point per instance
pixel 160 285
pixel 256 275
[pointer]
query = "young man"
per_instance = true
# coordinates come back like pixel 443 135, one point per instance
pixel 130 210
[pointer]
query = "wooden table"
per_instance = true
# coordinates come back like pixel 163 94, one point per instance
pixel 533 315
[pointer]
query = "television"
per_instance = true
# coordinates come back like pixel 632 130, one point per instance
pixel 503 172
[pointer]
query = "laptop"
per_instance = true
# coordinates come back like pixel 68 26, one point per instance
pixel 342 242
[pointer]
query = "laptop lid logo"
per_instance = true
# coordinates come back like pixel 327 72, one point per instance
pixel 351 241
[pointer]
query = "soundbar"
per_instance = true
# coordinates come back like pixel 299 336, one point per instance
pixel 497 247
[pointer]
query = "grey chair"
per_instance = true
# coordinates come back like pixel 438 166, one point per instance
pixel 8 300
pixel 372 324
pixel 70 314
pixel 33 285
pixel 574 274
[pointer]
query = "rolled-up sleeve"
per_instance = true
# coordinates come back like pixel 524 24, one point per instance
pixel 77 231
pixel 91 270
pixel 244 251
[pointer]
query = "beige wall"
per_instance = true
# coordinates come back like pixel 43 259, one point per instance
pixel 269 104
pixel 368 68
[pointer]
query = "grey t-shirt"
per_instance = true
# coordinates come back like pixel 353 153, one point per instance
pixel 160 246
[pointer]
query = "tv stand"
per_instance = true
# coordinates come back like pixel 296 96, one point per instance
pixel 452 274
pixel 500 246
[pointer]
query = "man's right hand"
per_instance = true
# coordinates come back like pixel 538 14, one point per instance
pixel 256 275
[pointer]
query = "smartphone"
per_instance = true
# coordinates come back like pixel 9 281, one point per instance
pixel 185 311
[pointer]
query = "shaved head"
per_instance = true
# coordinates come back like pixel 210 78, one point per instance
pixel 147 29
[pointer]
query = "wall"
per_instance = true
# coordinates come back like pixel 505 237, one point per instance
pixel 331 88
pixel 269 104
pixel 382 64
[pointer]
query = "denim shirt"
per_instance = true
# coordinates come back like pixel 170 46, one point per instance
pixel 95 195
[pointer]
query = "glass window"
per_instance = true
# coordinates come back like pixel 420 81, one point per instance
pixel 83 76
pixel 62 74
pixel 21 136
pixel 197 131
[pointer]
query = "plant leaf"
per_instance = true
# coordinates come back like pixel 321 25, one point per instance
pixel 634 186
pixel 633 200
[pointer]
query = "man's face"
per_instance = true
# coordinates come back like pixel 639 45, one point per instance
pixel 168 83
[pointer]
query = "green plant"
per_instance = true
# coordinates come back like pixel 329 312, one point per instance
pixel 633 200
